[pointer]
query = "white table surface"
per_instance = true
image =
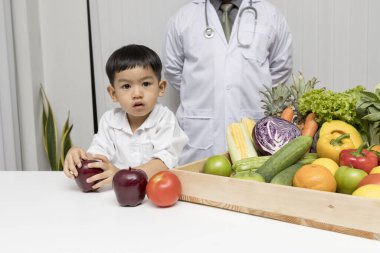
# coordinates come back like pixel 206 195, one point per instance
pixel 46 212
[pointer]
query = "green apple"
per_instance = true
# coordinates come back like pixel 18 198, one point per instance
pixel 217 165
pixel 249 175
pixel 348 179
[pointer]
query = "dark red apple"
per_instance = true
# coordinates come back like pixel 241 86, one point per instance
pixel 129 186
pixel 85 172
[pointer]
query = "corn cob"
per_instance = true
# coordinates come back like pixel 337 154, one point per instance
pixel 249 125
pixel 239 142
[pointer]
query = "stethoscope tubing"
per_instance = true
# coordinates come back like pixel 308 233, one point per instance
pixel 209 32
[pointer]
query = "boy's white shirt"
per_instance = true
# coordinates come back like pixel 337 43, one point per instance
pixel 158 137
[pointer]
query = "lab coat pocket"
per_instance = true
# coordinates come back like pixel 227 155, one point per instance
pixel 197 124
pixel 255 43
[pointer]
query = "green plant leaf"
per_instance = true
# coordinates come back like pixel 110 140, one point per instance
pixel 365 104
pixel 52 140
pixel 372 117
pixel 50 135
pixel 44 117
pixel 376 105
pixel 370 95
pixel 66 143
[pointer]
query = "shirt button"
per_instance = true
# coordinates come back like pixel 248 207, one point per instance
pixel 228 87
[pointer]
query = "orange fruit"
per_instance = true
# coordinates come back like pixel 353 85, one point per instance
pixel 316 177
pixel 375 170
pixel 330 164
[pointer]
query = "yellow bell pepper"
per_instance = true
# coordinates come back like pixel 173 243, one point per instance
pixel 330 145
pixel 342 127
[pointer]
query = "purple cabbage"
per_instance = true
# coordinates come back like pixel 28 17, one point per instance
pixel 272 133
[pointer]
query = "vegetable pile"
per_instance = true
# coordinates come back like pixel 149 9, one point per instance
pixel 340 129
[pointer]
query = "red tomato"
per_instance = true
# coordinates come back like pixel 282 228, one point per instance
pixel 164 189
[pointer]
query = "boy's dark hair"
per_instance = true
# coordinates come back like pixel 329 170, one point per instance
pixel 132 56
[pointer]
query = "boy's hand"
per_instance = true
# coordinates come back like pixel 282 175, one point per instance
pixel 74 158
pixel 106 176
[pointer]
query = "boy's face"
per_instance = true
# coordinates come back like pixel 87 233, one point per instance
pixel 136 90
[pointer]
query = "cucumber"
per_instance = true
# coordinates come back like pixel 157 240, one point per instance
pixel 285 177
pixel 288 155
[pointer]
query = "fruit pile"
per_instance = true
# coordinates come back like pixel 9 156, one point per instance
pixel 310 138
pixel 131 185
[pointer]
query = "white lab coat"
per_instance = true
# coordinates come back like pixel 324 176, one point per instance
pixel 219 82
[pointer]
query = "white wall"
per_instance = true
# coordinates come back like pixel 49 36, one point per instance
pixel 336 41
pixel 66 64
pixel 51 48
pixel 10 152
pixel 28 76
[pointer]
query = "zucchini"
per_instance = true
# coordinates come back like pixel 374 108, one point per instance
pixel 288 155
pixel 250 163
pixel 285 177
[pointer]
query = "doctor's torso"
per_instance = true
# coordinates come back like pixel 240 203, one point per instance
pixel 221 81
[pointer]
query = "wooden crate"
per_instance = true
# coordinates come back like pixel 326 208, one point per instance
pixel 341 213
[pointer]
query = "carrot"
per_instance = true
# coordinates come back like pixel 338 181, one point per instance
pixel 311 126
pixel 288 114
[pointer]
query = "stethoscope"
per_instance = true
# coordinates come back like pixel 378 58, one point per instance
pixel 209 32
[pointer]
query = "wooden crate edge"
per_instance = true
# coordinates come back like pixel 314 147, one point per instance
pixel 283 218
pixel 194 180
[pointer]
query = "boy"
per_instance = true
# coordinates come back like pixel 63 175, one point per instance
pixel 141 133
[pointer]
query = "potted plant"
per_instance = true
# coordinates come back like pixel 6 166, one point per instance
pixel 55 149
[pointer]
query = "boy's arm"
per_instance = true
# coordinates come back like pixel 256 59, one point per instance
pixel 109 170
pixel 101 148
pixel 169 140
pixel 152 167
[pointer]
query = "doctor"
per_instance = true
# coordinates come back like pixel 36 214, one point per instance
pixel 219 58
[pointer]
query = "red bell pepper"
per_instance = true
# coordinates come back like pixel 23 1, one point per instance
pixel 358 158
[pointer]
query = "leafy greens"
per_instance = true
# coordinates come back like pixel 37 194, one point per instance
pixel 329 105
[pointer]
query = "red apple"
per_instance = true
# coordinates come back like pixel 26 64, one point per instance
pixel 130 186
pixel 370 179
pixel 85 172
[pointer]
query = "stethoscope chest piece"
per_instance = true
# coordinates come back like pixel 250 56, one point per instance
pixel 209 33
